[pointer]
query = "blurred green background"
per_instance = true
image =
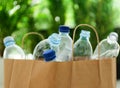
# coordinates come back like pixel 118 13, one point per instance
pixel 18 17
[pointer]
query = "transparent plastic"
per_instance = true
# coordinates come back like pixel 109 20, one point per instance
pixel 65 47
pixel 109 48
pixel 12 51
pixel 52 42
pixel 82 46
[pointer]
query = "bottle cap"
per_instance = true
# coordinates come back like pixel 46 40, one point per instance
pixel 64 29
pixel 49 55
pixel 85 33
pixel 54 39
pixel 8 40
pixel 113 36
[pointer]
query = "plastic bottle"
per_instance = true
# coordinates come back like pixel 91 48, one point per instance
pixel 49 55
pixel 82 46
pixel 12 51
pixel 65 47
pixel 52 42
pixel 29 56
pixel 109 47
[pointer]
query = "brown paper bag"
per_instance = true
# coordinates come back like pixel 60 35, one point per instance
pixel 75 74
pixel 1 73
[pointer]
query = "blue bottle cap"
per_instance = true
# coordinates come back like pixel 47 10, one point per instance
pixel 49 55
pixel 54 39
pixel 64 29
pixel 9 40
pixel 85 33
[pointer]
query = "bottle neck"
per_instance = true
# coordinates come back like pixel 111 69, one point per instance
pixel 84 38
pixel 54 39
pixel 110 40
pixel 64 33
pixel 9 43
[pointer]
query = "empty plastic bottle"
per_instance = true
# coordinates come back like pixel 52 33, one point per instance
pixel 49 55
pixel 52 42
pixel 12 51
pixel 29 56
pixel 109 47
pixel 65 47
pixel 82 46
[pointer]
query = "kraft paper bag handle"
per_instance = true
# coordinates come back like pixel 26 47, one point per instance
pixel 31 33
pixel 99 61
pixel 91 27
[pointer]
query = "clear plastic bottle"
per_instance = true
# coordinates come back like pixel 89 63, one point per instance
pixel 12 51
pixel 109 47
pixel 82 46
pixel 49 55
pixel 65 47
pixel 29 56
pixel 52 42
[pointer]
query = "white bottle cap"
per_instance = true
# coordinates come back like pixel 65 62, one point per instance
pixel 113 36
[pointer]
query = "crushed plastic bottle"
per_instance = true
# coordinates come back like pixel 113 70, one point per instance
pixel 52 42
pixel 109 48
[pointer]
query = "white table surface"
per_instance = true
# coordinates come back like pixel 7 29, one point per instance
pixel 118 84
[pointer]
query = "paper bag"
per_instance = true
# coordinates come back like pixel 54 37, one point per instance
pixel 1 73
pixel 85 73
pixel 74 74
